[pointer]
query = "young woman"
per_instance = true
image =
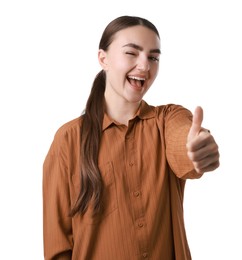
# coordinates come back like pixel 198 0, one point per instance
pixel 114 178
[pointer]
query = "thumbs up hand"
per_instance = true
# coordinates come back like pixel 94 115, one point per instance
pixel 202 149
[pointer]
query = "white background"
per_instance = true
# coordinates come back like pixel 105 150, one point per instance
pixel 48 60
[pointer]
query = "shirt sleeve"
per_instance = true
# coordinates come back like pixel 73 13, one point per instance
pixel 57 227
pixel 178 121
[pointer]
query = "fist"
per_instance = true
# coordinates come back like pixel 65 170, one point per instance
pixel 202 149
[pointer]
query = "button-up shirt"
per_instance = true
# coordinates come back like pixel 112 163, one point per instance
pixel 144 167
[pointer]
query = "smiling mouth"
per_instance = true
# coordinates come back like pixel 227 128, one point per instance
pixel 136 81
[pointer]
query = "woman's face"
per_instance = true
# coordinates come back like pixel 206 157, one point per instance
pixel 131 63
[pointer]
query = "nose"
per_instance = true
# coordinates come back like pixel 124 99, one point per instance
pixel 143 64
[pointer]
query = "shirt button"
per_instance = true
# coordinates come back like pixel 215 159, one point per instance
pixel 145 255
pixel 140 224
pixel 136 193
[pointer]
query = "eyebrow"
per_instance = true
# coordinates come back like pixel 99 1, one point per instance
pixel 139 48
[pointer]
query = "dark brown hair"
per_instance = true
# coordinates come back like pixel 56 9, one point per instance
pixel 91 129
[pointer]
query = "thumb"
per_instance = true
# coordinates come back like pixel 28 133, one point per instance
pixel 196 123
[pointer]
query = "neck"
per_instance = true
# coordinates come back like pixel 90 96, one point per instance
pixel 122 112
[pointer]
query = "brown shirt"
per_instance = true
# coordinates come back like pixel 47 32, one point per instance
pixel 144 167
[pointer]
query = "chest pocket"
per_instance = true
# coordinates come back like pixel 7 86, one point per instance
pixel 108 198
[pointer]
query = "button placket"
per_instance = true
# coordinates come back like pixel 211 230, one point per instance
pixel 134 182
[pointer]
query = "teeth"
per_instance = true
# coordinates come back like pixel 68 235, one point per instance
pixel 136 78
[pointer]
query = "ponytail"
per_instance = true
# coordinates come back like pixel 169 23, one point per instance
pixel 91 130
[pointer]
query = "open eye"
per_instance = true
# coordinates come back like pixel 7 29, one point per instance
pixel 153 58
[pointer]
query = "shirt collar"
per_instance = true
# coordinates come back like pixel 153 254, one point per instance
pixel 145 111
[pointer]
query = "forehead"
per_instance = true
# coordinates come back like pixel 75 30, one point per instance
pixel 138 35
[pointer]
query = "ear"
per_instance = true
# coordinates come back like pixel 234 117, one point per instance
pixel 102 58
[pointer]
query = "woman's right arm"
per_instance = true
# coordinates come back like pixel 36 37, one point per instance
pixel 57 227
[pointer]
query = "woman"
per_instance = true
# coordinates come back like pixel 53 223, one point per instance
pixel 114 178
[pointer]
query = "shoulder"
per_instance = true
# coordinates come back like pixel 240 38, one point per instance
pixel 67 135
pixel 69 127
pixel 168 111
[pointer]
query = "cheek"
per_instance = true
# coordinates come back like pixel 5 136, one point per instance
pixel 120 62
pixel 153 75
pixel 155 71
